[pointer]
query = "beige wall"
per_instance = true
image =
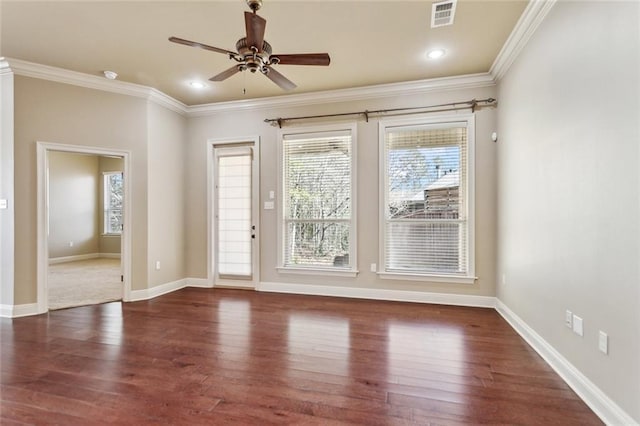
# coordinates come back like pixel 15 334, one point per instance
pixel 569 161
pixel 108 243
pixel 61 113
pixel 249 123
pixel 167 132
pixel 73 204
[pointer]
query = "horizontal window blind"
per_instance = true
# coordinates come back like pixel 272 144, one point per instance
pixel 234 212
pixel 317 199
pixel 425 223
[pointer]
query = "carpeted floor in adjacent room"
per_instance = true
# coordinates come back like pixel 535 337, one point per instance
pixel 84 282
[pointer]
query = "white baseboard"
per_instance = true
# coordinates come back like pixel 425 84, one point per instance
pixel 159 290
pixel 16 311
pixel 198 282
pixel 380 294
pixel 608 411
pixel 109 255
pixel 74 258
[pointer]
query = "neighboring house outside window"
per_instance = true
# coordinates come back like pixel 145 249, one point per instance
pixel 427 199
pixel 317 214
pixel 113 196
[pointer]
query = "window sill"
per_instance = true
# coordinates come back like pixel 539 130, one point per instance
pixel 110 235
pixel 351 273
pixel 452 279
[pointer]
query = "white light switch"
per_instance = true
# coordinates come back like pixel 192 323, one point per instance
pixel 577 325
pixel 4 204
pixel 269 205
pixel 272 195
pixel 603 342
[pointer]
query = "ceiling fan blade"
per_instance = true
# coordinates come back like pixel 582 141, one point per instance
pixel 200 45
pixel 280 80
pixel 322 59
pixel 226 74
pixel 255 26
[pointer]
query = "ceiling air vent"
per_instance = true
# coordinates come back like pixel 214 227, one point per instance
pixel 442 13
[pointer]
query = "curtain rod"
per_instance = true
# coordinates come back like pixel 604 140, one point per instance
pixel 473 104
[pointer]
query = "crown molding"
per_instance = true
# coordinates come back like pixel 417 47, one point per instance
pixel 531 18
pixel 347 95
pixel 60 75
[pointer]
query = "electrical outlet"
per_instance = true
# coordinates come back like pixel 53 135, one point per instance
pixel 157 265
pixel 577 325
pixel 603 342
pixel 568 319
pixel 70 243
pixel 374 267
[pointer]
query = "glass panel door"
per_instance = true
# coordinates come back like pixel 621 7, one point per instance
pixel 235 232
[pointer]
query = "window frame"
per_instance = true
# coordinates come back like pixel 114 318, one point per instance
pixel 352 270
pixel 445 120
pixel 106 192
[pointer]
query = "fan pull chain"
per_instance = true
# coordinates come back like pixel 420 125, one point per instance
pixel 244 82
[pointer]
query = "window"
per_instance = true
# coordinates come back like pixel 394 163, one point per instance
pixel 426 188
pixel 113 196
pixel 317 225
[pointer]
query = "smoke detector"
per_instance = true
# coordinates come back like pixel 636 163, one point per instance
pixel 111 75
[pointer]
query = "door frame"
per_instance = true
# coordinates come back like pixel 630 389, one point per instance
pixel 42 152
pixel 255 201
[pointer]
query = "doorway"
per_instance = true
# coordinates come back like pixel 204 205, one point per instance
pixel 234 175
pixel 83 243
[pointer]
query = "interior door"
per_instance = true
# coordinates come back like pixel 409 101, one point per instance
pixel 234 215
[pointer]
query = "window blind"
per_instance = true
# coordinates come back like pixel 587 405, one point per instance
pixel 317 214
pixel 234 212
pixel 425 212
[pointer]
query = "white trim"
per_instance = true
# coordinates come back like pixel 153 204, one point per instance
pixel 351 273
pixel 109 255
pixel 61 75
pixel 453 279
pixel 16 311
pixel 469 119
pixel 380 294
pixel 42 211
pixel 318 130
pixel 529 21
pixel 7 190
pixel 198 282
pixel 468 81
pixel 254 142
pixel 73 258
pixel 159 290
pixel 608 411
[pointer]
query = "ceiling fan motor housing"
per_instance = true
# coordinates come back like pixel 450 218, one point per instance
pixel 254 4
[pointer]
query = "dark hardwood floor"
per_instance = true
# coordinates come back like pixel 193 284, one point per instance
pixel 201 356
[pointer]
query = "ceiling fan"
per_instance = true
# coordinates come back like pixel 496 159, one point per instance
pixel 254 53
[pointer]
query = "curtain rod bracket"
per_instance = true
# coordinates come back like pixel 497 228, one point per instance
pixel 366 116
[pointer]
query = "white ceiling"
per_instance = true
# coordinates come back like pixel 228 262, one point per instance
pixel 370 42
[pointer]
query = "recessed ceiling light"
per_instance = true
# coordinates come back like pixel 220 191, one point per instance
pixel 435 53
pixel 197 85
pixel 111 75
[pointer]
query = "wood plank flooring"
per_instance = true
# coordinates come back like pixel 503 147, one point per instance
pixel 202 356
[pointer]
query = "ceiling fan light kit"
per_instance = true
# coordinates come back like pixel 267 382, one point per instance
pixel 254 53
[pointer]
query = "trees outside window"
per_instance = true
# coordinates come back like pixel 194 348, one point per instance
pixel 425 216
pixel 317 171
